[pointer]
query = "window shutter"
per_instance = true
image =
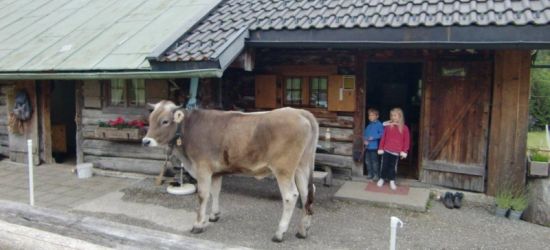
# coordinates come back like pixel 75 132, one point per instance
pixel 92 94
pixel 266 91
pixel 341 93
pixel 156 90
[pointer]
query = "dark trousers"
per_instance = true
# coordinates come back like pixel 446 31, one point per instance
pixel 372 163
pixel 389 166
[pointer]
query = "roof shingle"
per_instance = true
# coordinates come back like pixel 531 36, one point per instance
pixel 232 15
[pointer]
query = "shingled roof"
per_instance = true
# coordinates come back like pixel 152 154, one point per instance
pixel 213 34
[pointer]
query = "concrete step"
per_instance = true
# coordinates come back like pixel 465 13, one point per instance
pixel 404 197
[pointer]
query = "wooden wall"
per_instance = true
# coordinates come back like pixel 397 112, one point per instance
pixel 509 120
pixel 4 143
pixel 116 155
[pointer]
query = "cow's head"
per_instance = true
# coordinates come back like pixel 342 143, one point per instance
pixel 163 124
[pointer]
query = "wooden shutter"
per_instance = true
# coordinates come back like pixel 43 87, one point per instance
pixel 456 113
pixel 266 91
pixel 341 93
pixel 156 90
pixel 92 94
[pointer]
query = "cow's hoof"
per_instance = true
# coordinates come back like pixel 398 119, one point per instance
pixel 197 230
pixel 277 239
pixel 215 218
pixel 300 235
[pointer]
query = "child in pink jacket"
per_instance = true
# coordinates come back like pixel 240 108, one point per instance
pixel 393 145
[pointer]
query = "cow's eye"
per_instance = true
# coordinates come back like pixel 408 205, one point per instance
pixel 164 122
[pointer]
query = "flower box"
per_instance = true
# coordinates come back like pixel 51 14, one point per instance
pixel 119 134
pixel 538 168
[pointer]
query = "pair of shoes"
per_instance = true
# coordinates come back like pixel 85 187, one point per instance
pixel 380 183
pixel 448 200
pixel 392 185
pixel 457 199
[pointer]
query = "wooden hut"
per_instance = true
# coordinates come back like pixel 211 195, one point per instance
pixel 460 71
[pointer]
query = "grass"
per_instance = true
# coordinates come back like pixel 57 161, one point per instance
pixel 536 139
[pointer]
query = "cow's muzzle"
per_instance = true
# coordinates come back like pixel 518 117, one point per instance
pixel 149 142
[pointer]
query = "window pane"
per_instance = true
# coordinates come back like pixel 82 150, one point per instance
pixel 314 83
pixel 136 92
pixel 323 83
pixel 117 92
pixel 289 83
pixel 318 92
pixel 296 83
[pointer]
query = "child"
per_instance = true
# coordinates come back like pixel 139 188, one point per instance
pixel 372 135
pixel 394 145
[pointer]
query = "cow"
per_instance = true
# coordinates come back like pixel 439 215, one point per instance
pixel 213 143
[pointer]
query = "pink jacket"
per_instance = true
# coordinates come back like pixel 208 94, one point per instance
pixel 394 141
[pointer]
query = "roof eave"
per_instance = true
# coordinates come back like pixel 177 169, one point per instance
pixel 450 37
pixel 201 73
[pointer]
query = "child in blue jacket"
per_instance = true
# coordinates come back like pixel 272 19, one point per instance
pixel 371 137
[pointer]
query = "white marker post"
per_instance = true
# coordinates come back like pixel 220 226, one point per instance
pixel 393 222
pixel 31 176
pixel 547 136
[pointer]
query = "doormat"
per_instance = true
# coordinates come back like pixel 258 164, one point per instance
pixel 401 190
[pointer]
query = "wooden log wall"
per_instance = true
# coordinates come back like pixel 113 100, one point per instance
pixel 116 155
pixel 509 121
pixel 4 139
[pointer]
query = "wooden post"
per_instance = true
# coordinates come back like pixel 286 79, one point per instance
pixel 359 115
pixel 79 103
pixel 44 106
pixel 509 121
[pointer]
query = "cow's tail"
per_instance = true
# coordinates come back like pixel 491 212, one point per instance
pixel 312 147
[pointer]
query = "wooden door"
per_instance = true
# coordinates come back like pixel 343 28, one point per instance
pixel 455 126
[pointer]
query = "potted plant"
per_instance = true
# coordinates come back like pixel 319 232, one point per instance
pixel 518 203
pixel 503 201
pixel 120 129
pixel 538 162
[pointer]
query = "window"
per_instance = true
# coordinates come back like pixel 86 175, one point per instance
pixel 126 93
pixel 318 92
pixel 293 91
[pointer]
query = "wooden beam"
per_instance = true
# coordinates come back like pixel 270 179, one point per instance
pixel 359 114
pixel 79 106
pixel 508 129
pixel 44 107
pixel 443 166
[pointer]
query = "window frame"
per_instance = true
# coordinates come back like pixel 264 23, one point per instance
pixel 126 108
pixel 318 90
pixel 285 91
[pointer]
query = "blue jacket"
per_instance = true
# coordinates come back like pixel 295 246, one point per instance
pixel 374 130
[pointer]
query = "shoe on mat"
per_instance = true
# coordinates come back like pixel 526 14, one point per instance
pixel 380 183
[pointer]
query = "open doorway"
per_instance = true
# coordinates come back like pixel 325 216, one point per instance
pixel 391 85
pixel 63 125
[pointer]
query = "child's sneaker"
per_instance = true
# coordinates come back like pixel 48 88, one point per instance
pixel 392 185
pixel 380 183
pixel 369 177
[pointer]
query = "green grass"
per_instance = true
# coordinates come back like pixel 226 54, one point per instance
pixel 536 139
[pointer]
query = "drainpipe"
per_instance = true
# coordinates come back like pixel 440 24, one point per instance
pixel 192 103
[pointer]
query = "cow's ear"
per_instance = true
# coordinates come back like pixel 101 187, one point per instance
pixel 178 116
pixel 151 106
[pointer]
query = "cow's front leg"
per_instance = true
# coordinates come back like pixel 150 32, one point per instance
pixel 289 194
pixel 215 191
pixel 204 182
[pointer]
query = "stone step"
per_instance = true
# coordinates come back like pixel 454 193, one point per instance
pixel 404 197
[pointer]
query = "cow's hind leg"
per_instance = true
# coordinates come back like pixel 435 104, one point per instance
pixel 204 181
pixel 302 182
pixel 215 192
pixel 289 194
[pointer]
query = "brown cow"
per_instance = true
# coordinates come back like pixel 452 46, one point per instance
pixel 281 142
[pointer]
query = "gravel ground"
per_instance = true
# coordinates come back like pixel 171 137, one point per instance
pixel 251 210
